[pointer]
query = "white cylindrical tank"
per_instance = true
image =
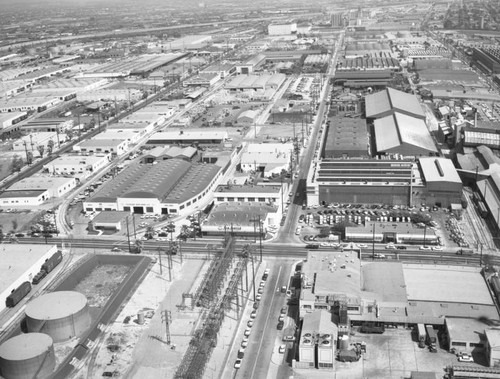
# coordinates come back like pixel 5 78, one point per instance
pixel 62 315
pixel 27 355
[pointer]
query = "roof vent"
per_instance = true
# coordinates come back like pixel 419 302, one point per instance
pixel 439 168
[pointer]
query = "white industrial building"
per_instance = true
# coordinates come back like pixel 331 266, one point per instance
pixel 268 158
pixel 116 147
pixel 19 264
pixel 169 187
pixel 35 191
pixel 24 104
pixel 131 136
pixel 280 29
pixel 77 165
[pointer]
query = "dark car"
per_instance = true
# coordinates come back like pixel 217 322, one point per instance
pixel 312 246
pixel 280 325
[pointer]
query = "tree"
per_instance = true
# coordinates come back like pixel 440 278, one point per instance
pixel 29 157
pixel 41 150
pixel 17 163
pixel 14 225
pixel 70 134
pixel 50 147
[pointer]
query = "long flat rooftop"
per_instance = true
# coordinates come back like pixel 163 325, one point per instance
pixel 450 284
pixel 16 259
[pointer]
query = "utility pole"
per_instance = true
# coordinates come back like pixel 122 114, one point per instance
pixel 373 241
pixel 166 317
pixel 128 238
pixel 159 260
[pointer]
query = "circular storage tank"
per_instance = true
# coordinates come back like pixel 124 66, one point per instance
pixel 25 355
pixel 62 315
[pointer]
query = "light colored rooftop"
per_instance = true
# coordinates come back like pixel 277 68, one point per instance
pixel 383 281
pixel 190 134
pixel 334 272
pixel 493 336
pixel 439 170
pixel 10 116
pixel 40 183
pixel 77 159
pixel 465 329
pixel 422 282
pixel 398 129
pixel 15 259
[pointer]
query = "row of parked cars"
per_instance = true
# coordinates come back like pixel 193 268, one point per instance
pixel 250 323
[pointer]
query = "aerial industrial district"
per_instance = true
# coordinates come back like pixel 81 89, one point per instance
pixel 306 193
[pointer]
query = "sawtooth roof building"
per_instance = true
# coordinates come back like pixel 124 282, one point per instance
pixel 400 133
pixel 169 186
pixel 389 101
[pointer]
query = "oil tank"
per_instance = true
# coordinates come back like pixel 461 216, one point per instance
pixel 62 315
pixel 26 356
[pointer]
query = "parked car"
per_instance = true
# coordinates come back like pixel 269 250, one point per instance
pixel 464 357
pixel 282 349
pixel 237 364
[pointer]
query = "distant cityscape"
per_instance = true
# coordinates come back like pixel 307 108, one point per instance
pixel 216 189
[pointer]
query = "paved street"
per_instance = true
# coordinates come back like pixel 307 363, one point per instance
pixel 257 358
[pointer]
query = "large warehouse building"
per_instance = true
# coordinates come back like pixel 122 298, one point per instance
pixel 393 293
pixel 443 185
pixel 346 138
pixel 19 264
pixel 402 134
pixel 169 186
pixel 390 101
pixel 368 181
pixel 384 181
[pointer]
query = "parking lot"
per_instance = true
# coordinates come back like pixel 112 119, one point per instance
pixel 324 225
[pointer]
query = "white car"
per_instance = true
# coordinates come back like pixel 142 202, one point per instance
pixel 424 248
pixel 258 297
pixel 378 255
pixel 247 332
pixel 465 358
pixel 282 349
pixel 362 245
pixel 390 246
pixel 244 343
pixel 281 318
pixel 237 364
pixel 437 248
pixel 250 323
